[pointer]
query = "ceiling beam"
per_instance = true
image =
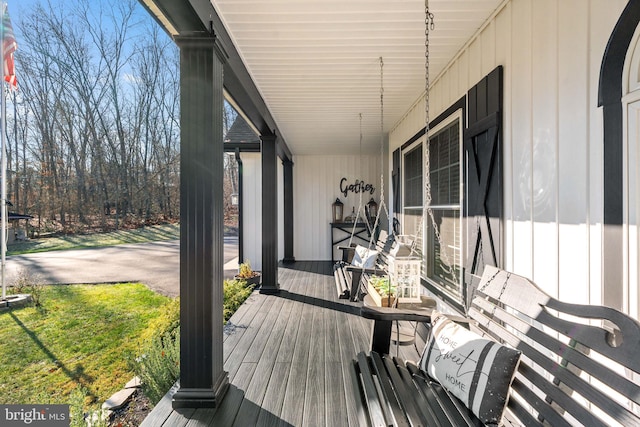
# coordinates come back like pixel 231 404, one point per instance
pixel 243 147
pixel 176 17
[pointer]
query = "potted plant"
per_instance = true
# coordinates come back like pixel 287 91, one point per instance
pixel 246 273
pixel 382 292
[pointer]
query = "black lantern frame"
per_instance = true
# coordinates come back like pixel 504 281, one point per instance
pixel 338 210
pixel 372 207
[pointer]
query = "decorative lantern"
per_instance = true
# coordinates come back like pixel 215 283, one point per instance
pixel 404 272
pixel 338 208
pixel 373 208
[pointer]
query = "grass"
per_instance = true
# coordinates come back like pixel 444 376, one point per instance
pixel 79 346
pixel 140 235
pixel 81 338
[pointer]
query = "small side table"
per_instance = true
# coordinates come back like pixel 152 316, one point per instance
pixel 386 332
pixel 361 232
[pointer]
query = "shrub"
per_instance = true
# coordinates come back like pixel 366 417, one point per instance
pixel 95 417
pixel 157 364
pixel 235 293
pixel 26 282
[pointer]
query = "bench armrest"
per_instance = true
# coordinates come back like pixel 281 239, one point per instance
pixel 375 271
pixel 393 314
pixel 346 248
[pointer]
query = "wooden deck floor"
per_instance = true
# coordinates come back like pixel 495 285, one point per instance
pixel 288 357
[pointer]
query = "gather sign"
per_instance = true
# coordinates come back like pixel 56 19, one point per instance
pixel 357 187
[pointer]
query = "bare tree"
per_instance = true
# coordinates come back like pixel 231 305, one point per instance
pixel 99 115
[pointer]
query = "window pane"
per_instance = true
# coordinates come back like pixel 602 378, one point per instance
pixel 444 166
pixel 412 222
pixel 443 255
pixel 413 177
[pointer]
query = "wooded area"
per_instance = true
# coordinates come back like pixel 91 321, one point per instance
pixel 93 131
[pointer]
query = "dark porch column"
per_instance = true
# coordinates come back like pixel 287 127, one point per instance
pixel 288 211
pixel 269 215
pixel 202 379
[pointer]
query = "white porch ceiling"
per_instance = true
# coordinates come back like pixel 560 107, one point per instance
pixel 316 62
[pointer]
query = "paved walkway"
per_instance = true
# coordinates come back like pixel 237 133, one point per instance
pixel 154 264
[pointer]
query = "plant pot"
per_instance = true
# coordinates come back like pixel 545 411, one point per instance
pixel 255 280
pixel 379 300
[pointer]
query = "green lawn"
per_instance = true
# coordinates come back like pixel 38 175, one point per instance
pixel 140 235
pixel 82 336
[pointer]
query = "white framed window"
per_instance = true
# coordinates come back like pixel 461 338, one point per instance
pixel 442 256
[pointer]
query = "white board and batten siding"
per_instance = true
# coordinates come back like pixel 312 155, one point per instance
pixel 316 186
pixel 252 208
pixel 551 52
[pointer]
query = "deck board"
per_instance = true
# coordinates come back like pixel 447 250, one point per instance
pixel 249 333
pixel 288 357
pixel 295 392
pixel 314 402
pixel 274 397
pixel 228 409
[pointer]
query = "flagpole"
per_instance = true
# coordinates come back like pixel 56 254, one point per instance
pixel 3 201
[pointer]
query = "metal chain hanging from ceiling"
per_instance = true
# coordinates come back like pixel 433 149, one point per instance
pixel 382 205
pixel 447 265
pixel 356 220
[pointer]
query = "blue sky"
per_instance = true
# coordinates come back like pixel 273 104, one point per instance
pixel 20 8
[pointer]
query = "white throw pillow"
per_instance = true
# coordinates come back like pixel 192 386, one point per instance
pixel 364 257
pixel 476 370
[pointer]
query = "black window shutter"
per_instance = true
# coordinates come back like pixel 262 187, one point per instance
pixel 482 200
pixel 396 182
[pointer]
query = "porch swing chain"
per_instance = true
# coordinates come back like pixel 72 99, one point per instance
pixel 383 205
pixel 428 25
pixel 446 265
pixel 356 219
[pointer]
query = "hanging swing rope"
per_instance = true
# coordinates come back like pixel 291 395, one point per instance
pixel 383 205
pixel 447 266
pixel 360 206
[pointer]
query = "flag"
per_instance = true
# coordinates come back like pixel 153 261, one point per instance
pixel 9 46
